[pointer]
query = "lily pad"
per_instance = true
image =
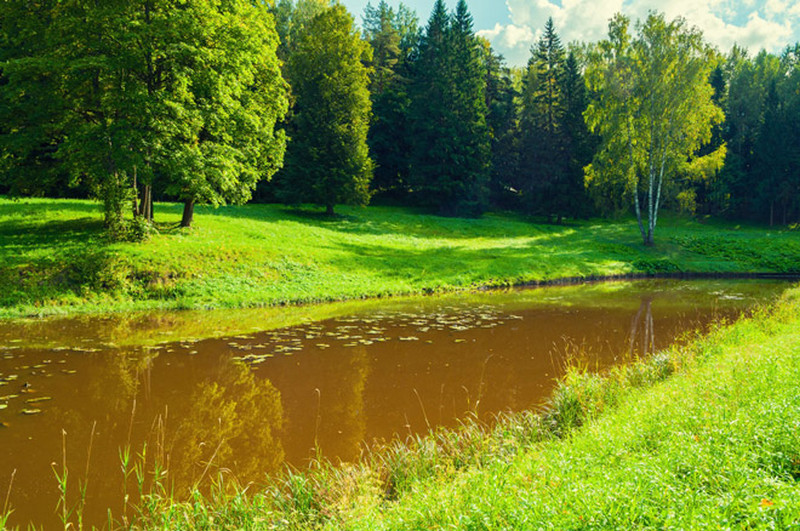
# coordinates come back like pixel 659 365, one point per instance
pixel 38 399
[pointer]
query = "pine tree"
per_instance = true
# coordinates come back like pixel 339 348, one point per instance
pixel 328 161
pixel 501 118
pixel 579 144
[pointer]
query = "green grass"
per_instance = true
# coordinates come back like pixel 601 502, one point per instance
pixel 54 258
pixel 698 437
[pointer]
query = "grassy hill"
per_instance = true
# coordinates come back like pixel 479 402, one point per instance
pixel 55 259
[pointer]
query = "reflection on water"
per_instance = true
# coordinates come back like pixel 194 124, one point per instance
pixel 245 405
pixel 642 336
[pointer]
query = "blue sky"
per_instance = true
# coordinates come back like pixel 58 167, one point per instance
pixel 514 25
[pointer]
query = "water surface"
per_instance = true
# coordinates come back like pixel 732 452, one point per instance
pixel 245 403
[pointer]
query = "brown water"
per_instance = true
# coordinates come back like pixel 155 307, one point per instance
pixel 248 404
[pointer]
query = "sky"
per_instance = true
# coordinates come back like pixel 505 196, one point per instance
pixel 512 26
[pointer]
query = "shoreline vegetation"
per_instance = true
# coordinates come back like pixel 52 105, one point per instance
pixel 57 260
pixel 697 435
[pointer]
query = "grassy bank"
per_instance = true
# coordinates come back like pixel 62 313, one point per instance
pixel 702 436
pixel 54 258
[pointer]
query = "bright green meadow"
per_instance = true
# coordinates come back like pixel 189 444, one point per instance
pixel 55 258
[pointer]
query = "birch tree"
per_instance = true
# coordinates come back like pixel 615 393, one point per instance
pixel 653 109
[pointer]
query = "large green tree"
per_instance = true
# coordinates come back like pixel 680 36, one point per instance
pixel 29 106
pixel 653 108
pixel 393 35
pixel 328 159
pixel 501 120
pixel 188 93
pixel 451 155
pixel 762 111
pixel 542 143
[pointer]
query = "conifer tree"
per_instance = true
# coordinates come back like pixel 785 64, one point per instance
pixel 451 154
pixel 579 144
pixel 393 37
pixel 501 119
pixel 544 150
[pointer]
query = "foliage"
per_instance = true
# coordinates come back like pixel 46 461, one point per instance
pixel 501 119
pixel 759 180
pixel 328 161
pixel 186 94
pixel 652 105
pixel 554 143
pixel 393 37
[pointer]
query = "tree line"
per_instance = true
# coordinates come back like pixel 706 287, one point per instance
pixel 219 101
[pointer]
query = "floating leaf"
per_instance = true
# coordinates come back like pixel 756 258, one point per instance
pixel 38 399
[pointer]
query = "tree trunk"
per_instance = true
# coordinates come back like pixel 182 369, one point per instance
pixel 137 206
pixel 148 202
pixel 188 213
pixel 771 213
pixel 329 209
pixel 636 185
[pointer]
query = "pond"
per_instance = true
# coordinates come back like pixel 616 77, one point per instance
pixel 246 393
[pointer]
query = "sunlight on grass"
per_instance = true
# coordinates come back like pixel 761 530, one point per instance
pixel 55 258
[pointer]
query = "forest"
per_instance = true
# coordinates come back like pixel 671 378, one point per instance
pixel 295 102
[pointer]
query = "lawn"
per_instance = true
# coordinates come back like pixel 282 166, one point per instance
pixel 55 258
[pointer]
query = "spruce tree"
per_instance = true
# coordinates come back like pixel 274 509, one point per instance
pixel 501 119
pixel 393 37
pixel 451 154
pixel 543 151
pixel 579 144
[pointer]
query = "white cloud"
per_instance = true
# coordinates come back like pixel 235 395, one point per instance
pixel 514 41
pixel 756 24
pixel 775 7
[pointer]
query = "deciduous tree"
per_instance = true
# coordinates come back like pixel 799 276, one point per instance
pixel 653 109
pixel 158 89
pixel 328 159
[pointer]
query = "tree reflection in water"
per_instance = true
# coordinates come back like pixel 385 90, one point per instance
pixel 642 330
pixel 233 424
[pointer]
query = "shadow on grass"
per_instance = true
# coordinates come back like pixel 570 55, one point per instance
pixel 399 221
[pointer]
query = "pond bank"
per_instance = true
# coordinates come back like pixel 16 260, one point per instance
pixel 694 437
pixel 55 260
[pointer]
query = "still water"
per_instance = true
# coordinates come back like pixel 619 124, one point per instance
pixel 203 393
